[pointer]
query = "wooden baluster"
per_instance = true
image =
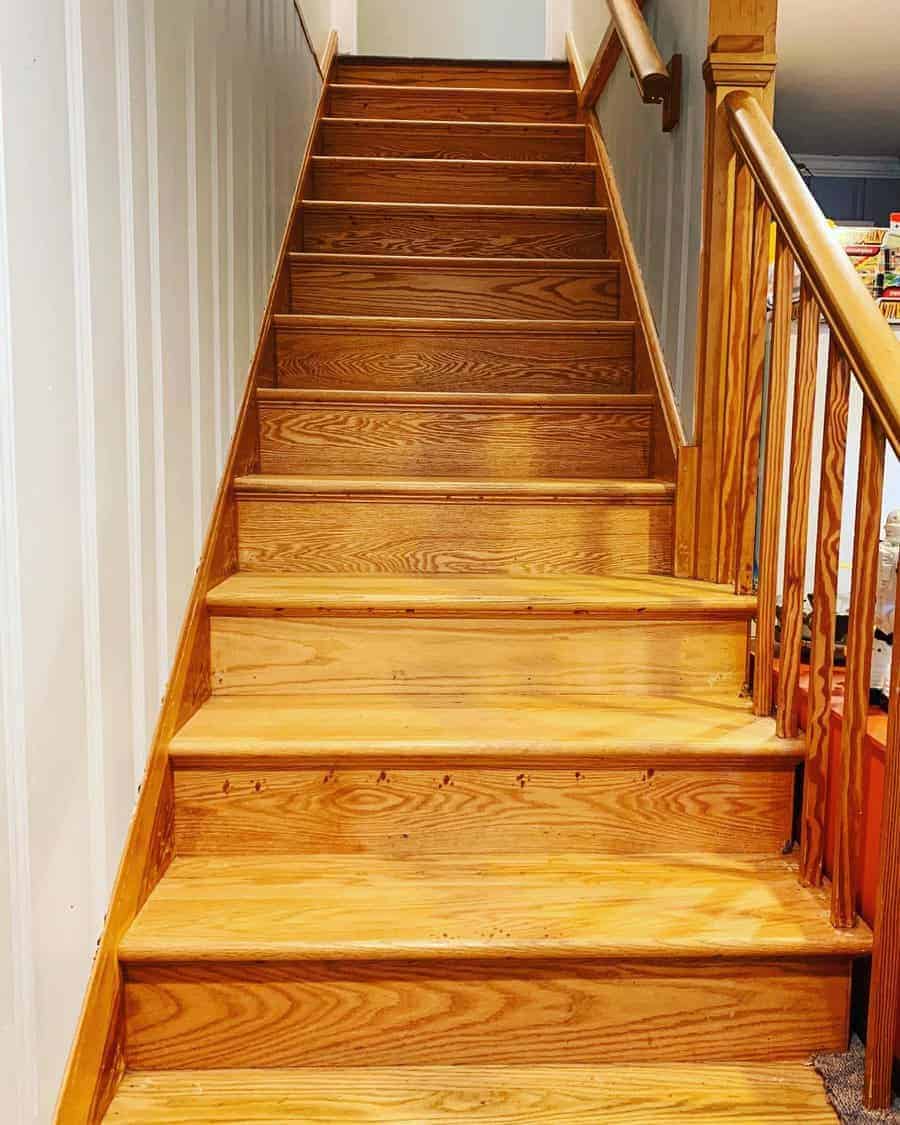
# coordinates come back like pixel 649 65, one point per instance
pixel 859 667
pixel 738 335
pixel 797 514
pixel 884 989
pixel 818 726
pixel 753 398
pixel 772 481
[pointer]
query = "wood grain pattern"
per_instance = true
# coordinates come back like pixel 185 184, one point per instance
pixel 216 909
pixel 884 988
pixel 736 1094
pixel 452 140
pixel 439 72
pixel 770 521
pixel 753 399
pixel 467 536
pixel 732 437
pixel 351 285
pixel 430 440
pixel 389 180
pixel 452 230
pixel 435 103
pixel 528 732
pixel 828 541
pixel 797 512
pixel 446 810
pixel 363 656
pixel 524 356
pixel 848 822
pixel 277 1015
pixel 640 598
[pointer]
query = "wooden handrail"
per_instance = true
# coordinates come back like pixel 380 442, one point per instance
pixel 647 66
pixel 656 82
pixel 865 336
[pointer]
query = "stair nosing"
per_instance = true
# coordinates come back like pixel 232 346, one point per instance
pixel 292 485
pixel 569 94
pixel 458 261
pixel 501 399
pixel 467 323
pixel 586 212
pixel 419 161
pixel 451 124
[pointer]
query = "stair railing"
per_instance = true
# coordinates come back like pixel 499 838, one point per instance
pixel 656 82
pixel 768 188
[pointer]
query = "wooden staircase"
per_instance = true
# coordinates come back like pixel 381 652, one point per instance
pixel 473 820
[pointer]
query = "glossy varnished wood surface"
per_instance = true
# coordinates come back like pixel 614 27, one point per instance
pixel 452 230
pixel 521 1013
pixel 398 180
pixel 437 72
pixel 762 1094
pixel 529 731
pixel 447 655
pixel 451 808
pixel 454 140
pixel 372 285
pixel 371 534
pixel 454 355
pixel 455 439
pixel 638 597
pixel 435 103
pixel 294 908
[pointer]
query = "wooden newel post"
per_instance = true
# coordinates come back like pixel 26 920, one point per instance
pixel 735 62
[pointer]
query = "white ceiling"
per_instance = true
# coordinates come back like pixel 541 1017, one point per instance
pixel 838 80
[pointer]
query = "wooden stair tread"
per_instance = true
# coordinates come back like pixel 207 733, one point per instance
pixel 365 907
pixel 461 324
pixel 639 490
pixel 639 596
pixel 401 261
pixel 669 1094
pixel 482 729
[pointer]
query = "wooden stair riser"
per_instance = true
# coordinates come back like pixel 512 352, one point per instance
pixel 409 287
pixel 461 140
pixel 423 72
pixel 455 441
pixel 357 656
pixel 432 103
pixel 440 357
pixel 390 808
pixel 204 1016
pixel 454 181
pixel 328 535
pixel 437 230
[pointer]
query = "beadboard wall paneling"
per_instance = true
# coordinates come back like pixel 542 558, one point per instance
pixel 148 153
pixel 660 175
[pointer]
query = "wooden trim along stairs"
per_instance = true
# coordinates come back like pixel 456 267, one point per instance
pixel 455 807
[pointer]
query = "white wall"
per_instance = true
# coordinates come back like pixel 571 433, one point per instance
pixel 660 175
pixel 321 16
pixel 491 29
pixel 148 152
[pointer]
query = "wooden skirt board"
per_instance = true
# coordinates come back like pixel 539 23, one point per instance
pixel 458 140
pixel 524 356
pixel 451 230
pixel 447 655
pixel 364 285
pixel 461 181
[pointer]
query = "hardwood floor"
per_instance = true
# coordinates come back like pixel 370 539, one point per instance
pixel 465 813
